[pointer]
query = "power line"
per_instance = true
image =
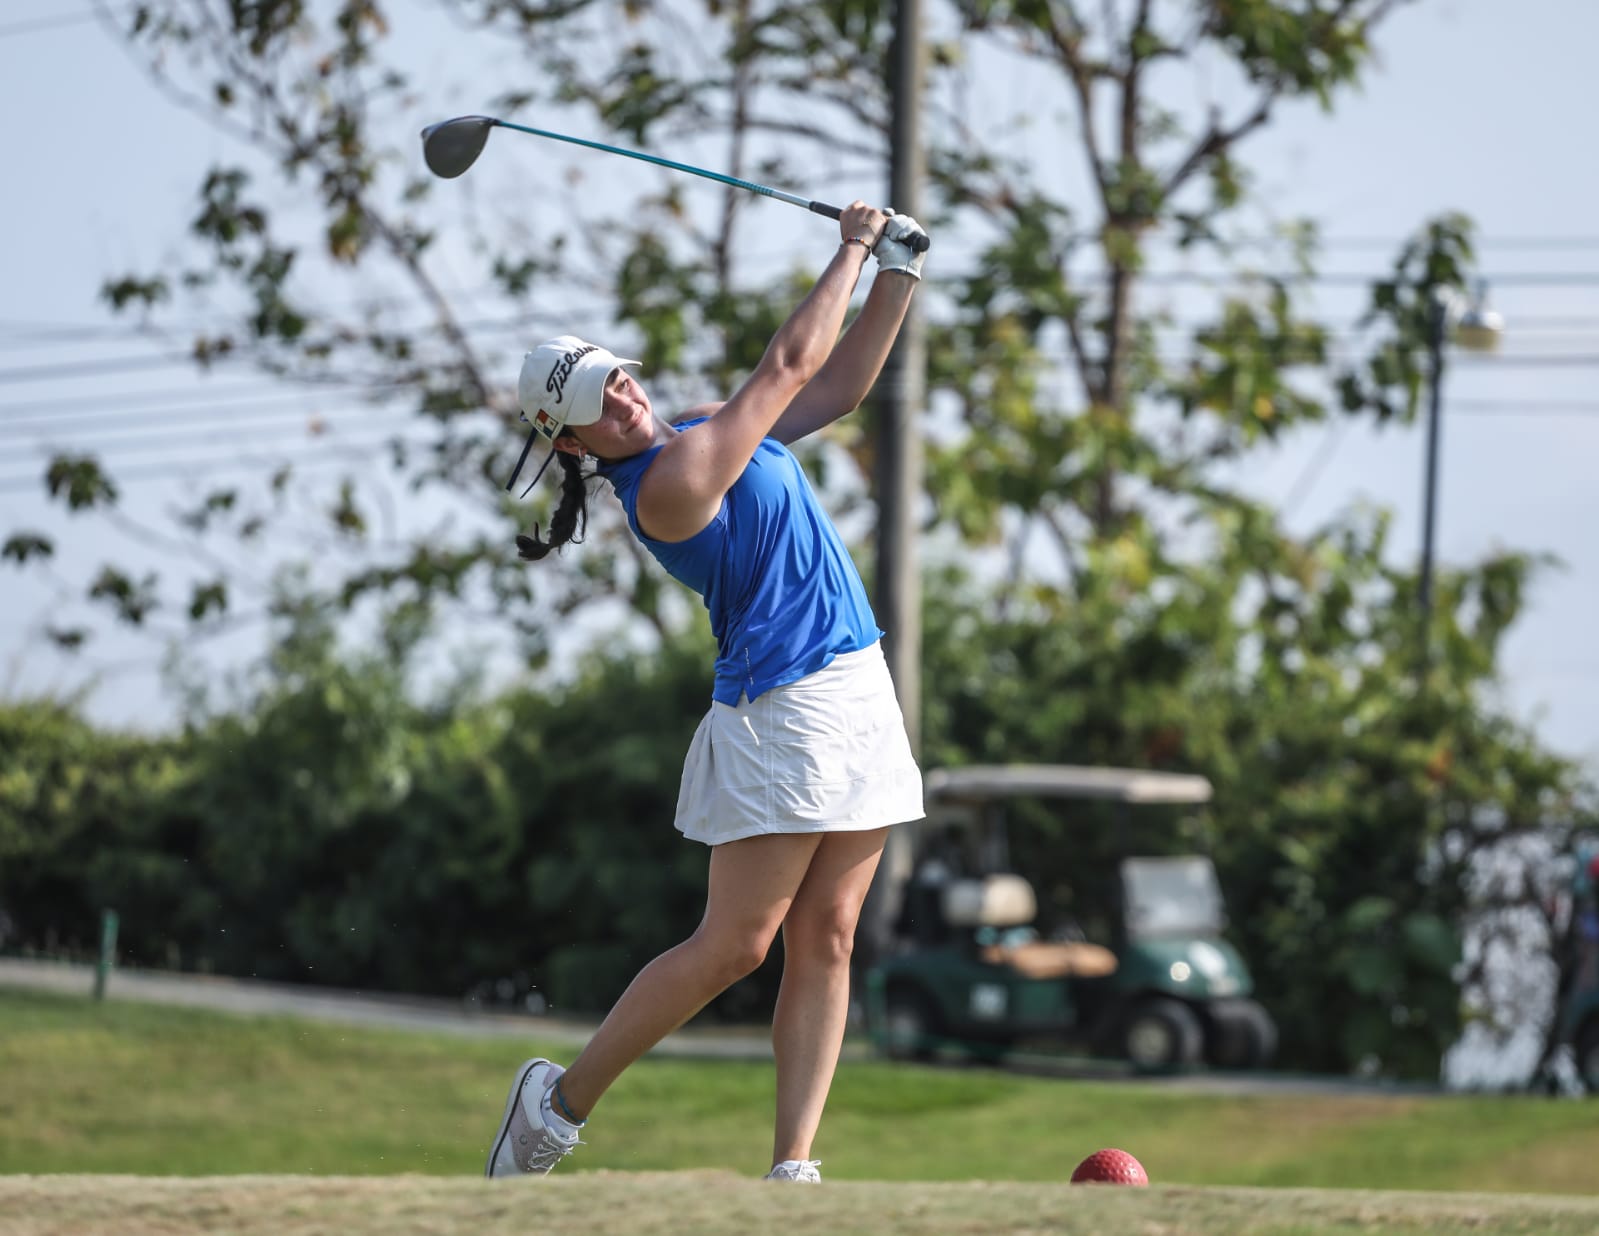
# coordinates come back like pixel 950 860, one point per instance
pixel 120 364
pixel 1584 406
pixel 1495 360
pixel 100 412
pixel 204 407
pixel 144 426
pixel 17 340
pixel 49 430
pixel 1552 361
pixel 1511 410
pixel 163 439
pixel 16 336
pixel 45 23
pixel 115 365
pixel 128 364
pixel 155 429
pixel 1522 324
pixel 224 461
pixel 1312 471
pixel 1558 326
pixel 115 405
pixel 1553 322
pixel 158 437
pixel 103 414
pixel 1386 243
pixel 1498 360
pixel 238 433
pixel 30 334
pixel 80 17
pixel 1536 278
pixel 112 413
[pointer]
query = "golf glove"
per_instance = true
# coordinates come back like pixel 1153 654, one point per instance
pixel 894 253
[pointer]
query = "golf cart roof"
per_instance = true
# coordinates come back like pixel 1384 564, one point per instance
pixel 983 782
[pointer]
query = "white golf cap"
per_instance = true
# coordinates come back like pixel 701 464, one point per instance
pixel 563 383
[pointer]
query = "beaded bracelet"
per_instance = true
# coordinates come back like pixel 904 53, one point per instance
pixel 856 240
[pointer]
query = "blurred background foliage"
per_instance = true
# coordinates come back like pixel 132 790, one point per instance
pixel 335 828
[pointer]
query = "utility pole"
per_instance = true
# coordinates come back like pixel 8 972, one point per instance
pixel 1437 326
pixel 1479 328
pixel 901 394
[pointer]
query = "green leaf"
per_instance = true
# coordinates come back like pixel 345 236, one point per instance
pixel 1431 942
pixel 21 546
pixel 207 599
pixel 79 480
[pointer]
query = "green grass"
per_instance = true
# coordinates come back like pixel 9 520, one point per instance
pixel 125 1088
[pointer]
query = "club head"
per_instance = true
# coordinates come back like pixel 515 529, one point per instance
pixel 452 146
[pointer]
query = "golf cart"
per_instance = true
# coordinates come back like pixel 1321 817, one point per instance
pixel 1124 959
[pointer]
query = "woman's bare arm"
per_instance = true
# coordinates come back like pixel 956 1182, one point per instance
pixel 855 364
pixel 684 487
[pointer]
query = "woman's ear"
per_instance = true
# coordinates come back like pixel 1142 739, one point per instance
pixel 569 445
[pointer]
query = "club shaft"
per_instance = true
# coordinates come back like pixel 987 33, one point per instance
pixel 820 208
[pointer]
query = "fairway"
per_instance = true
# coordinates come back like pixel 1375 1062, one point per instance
pixel 141 1119
pixel 719 1204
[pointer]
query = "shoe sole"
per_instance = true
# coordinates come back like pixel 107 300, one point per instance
pixel 510 1106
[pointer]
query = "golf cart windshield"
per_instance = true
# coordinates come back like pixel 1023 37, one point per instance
pixel 1171 897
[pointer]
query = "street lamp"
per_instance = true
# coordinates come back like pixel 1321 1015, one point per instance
pixel 1474 326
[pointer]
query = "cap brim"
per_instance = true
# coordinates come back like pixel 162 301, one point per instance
pixel 577 420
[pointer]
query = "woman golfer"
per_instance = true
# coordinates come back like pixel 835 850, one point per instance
pixel 802 763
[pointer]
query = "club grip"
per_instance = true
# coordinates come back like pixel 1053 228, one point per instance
pixel 918 244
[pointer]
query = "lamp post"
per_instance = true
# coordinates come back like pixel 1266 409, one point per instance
pixel 1471 324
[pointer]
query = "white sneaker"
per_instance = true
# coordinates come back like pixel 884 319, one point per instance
pixel 802 1170
pixel 525 1143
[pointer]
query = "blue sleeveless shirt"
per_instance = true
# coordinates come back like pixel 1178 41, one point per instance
pixel 783 593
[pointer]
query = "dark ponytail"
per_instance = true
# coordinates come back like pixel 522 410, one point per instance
pixel 571 514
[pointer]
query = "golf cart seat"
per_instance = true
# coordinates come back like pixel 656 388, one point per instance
pixel 1008 900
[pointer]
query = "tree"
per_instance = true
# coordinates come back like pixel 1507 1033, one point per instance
pixel 1089 425
pixel 333 303
pixel 335 823
pixel 308 95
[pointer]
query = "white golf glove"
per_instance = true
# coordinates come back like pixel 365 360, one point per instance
pixel 893 251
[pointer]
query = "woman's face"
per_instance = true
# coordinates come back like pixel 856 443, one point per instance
pixel 626 425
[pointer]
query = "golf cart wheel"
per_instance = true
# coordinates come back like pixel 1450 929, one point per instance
pixel 1588 1054
pixel 1241 1035
pixel 910 1026
pixel 1161 1034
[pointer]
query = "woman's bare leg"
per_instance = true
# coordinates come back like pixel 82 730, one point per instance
pixel 753 883
pixel 813 1001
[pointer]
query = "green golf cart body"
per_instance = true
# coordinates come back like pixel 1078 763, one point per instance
pixel 1137 970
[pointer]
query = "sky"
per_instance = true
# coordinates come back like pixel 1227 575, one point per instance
pixel 1475 105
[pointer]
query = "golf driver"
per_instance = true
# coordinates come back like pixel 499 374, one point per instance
pixel 452 146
